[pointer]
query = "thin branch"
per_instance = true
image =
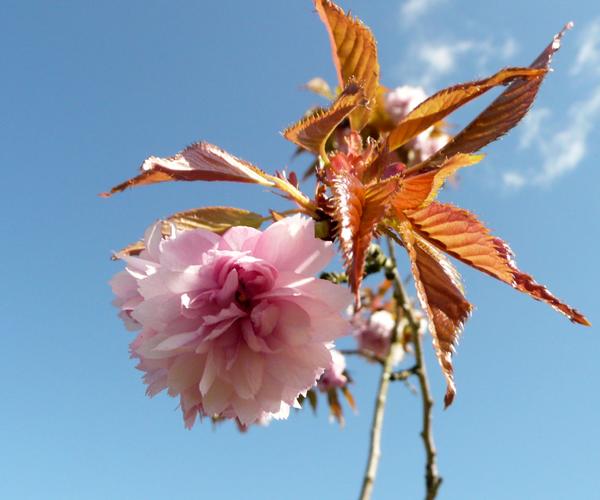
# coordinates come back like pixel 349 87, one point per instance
pixel 403 375
pixel 363 353
pixel 377 425
pixel 433 480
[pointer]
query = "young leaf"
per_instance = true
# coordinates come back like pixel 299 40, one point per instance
pixel 215 219
pixel 349 397
pixel 444 102
pixel 358 210
pixel 441 295
pixel 199 162
pixel 504 113
pixel 420 190
pixel 319 87
pixel 354 54
pixel 313 131
pixel 460 234
pixel 335 408
pixel 311 395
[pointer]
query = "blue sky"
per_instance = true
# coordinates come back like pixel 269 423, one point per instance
pixel 89 89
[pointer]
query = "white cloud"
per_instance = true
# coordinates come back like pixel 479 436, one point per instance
pixel 509 48
pixel 413 9
pixel 513 180
pixel 588 54
pixel 561 151
pixel 531 125
pixel 564 151
pixel 441 58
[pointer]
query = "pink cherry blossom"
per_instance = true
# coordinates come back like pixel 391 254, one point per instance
pixel 374 335
pixel 236 325
pixel 427 143
pixel 334 377
pixel 401 101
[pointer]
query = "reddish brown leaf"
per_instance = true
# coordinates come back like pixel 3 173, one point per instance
pixel 215 219
pixel 441 295
pixel 422 189
pixel 354 54
pixel 131 249
pixel 444 102
pixel 349 397
pixel 358 210
pixel 504 113
pixel 311 395
pixel 198 162
pixel 313 131
pixel 460 234
pixel 335 408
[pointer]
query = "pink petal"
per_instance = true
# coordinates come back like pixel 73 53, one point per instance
pixel 176 341
pixel 240 238
pixel 184 372
pixel 290 245
pixel 188 248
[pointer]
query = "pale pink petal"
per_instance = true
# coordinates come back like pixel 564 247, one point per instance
pixel 210 373
pixel 188 248
pixel 176 341
pixel 246 374
pixel 184 372
pixel 295 285
pixel 219 396
pixel 153 239
pixel 247 411
pixel 240 238
pixel 290 245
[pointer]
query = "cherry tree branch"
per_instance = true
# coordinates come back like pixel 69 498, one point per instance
pixel 403 375
pixel 377 425
pixel 364 354
pixel 387 375
pixel 433 480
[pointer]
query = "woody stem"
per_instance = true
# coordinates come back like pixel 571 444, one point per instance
pixel 433 480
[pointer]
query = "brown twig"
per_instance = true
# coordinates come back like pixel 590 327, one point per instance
pixel 377 425
pixel 403 375
pixel 433 480
pixel 387 375
pixel 363 353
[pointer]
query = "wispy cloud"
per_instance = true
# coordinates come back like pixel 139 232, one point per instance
pixel 562 151
pixel 439 59
pixel 513 180
pixel 588 54
pixel 565 150
pixel 509 48
pixel 410 10
pixel 531 126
